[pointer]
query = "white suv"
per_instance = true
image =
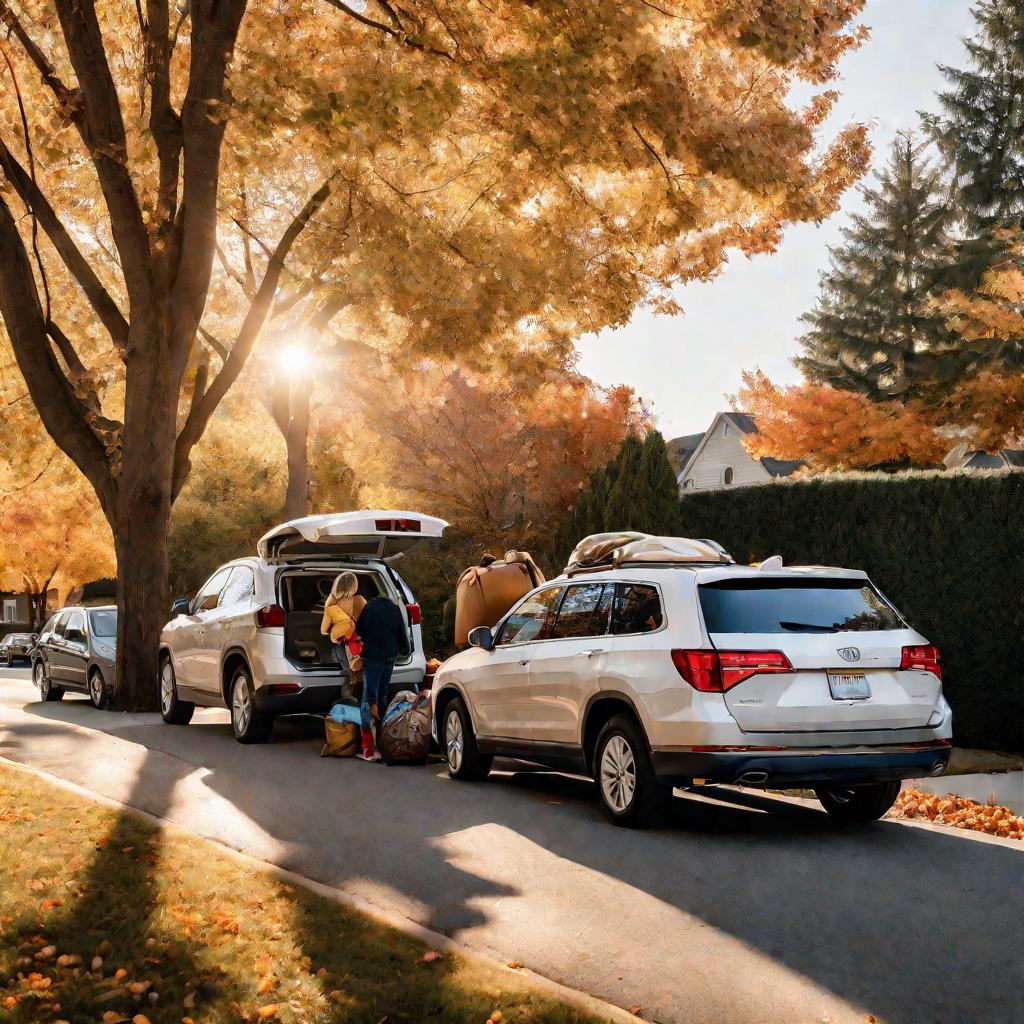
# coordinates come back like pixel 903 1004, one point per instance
pixel 647 676
pixel 250 639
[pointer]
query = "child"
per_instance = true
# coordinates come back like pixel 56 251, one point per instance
pixel 341 610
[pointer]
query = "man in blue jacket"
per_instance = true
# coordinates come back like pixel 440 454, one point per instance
pixel 385 637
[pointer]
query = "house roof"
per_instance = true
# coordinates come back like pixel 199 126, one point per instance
pixel 781 467
pixel 681 448
pixel 988 460
pixel 742 421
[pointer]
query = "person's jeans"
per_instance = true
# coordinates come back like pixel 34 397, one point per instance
pixel 376 679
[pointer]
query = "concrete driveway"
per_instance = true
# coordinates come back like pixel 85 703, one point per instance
pixel 746 909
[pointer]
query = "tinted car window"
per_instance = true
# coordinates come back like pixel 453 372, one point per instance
pixel 103 623
pixel 583 611
pixel 795 606
pixel 59 623
pixel 530 620
pixel 637 609
pixel 241 584
pixel 210 589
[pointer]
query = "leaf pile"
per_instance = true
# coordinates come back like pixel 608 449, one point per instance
pixel 959 812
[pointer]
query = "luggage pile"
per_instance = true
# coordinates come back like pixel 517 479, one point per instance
pixel 486 591
pixel 404 735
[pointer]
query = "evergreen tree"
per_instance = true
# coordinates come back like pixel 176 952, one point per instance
pixel 663 515
pixel 980 131
pixel 874 329
pixel 629 493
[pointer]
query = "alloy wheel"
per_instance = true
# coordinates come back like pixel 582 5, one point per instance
pixel 96 688
pixel 166 688
pixel 41 680
pixel 618 774
pixel 241 705
pixel 453 740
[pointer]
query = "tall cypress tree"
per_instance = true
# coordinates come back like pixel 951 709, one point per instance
pixel 663 512
pixel 874 329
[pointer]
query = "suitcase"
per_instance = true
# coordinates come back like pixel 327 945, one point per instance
pixel 485 593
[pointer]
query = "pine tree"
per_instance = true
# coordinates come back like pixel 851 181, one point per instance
pixel 874 329
pixel 980 131
pixel 629 494
pixel 662 514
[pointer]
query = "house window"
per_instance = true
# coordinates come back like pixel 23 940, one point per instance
pixel 688 484
pixel 725 430
pixel 727 475
pixel 10 611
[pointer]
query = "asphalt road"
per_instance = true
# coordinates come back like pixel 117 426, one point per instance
pixel 746 909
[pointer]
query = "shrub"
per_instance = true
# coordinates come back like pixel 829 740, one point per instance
pixel 946 548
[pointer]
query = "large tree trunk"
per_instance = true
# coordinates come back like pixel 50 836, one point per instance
pixel 140 532
pixel 296 503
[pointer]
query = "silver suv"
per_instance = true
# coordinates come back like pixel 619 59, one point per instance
pixel 652 675
pixel 250 639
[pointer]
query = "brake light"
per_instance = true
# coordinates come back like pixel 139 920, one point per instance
pixel 415 615
pixel 397 525
pixel 270 615
pixel 718 671
pixel 922 658
pixel 277 688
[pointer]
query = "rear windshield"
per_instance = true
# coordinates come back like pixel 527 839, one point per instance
pixel 795 606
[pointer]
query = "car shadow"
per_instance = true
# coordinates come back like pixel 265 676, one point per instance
pixel 910 924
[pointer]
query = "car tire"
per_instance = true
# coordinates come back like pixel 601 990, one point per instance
pixel 629 791
pixel 98 695
pixel 172 710
pixel 48 691
pixel 248 724
pixel 853 805
pixel 459 746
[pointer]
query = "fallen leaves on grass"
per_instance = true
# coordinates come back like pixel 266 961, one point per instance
pixel 959 812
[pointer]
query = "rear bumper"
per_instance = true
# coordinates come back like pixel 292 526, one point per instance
pixel 784 770
pixel 315 697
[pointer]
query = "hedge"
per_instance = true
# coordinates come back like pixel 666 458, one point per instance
pixel 946 548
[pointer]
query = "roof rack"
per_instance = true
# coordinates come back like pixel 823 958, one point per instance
pixel 601 551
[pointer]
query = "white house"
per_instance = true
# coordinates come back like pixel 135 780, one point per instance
pixel 719 458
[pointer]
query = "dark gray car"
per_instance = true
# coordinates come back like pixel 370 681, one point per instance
pixel 76 651
pixel 16 647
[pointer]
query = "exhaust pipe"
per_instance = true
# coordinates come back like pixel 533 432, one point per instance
pixel 937 769
pixel 755 778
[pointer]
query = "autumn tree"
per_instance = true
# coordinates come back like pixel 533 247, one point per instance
pixel 644 140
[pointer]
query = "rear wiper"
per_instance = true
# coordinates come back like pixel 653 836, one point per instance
pixel 810 625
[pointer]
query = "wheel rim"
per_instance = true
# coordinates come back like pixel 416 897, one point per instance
pixel 241 705
pixel 42 682
pixel 166 688
pixel 96 688
pixel 618 774
pixel 454 740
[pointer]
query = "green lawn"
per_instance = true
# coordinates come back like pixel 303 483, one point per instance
pixel 104 917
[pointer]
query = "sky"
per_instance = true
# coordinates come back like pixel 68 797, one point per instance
pixel 684 366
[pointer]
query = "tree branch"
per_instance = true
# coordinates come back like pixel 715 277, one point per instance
pixel 164 122
pixel 398 35
pixel 102 128
pixel 79 267
pixel 200 412
pixel 59 408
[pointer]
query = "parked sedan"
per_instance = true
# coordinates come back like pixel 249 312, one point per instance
pixel 76 651
pixel 16 647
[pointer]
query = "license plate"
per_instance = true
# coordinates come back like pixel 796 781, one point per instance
pixel 849 686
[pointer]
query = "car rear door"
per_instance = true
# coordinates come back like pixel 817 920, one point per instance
pixel 564 670
pixel 380 533
pixel 842 648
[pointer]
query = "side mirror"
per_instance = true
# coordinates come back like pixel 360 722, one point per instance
pixel 181 606
pixel 481 637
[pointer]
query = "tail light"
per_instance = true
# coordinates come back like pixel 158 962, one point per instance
pixel 922 658
pixel 271 615
pixel 415 615
pixel 718 671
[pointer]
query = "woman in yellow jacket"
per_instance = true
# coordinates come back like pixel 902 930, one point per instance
pixel 341 609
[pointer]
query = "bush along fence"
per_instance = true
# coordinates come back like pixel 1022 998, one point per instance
pixel 946 548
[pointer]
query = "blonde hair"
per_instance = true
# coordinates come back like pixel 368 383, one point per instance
pixel 345 585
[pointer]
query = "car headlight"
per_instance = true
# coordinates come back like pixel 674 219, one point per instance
pixel 104 651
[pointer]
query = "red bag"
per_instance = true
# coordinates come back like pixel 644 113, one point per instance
pixel 355 646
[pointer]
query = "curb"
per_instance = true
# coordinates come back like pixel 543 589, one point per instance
pixel 435 940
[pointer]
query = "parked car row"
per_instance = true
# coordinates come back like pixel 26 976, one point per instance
pixel 676 668
pixel 16 647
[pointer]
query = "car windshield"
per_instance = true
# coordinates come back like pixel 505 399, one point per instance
pixel 795 606
pixel 103 623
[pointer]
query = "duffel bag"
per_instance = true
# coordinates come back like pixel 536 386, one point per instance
pixel 341 730
pixel 404 735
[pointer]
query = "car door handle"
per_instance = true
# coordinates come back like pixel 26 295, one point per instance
pixel 593 651
pixel 525 661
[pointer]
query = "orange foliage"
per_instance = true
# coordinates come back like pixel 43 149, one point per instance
pixel 990 407
pixel 836 430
